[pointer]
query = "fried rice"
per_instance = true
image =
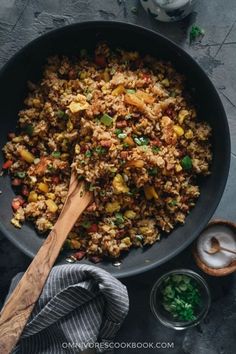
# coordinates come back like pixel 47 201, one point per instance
pixel 127 124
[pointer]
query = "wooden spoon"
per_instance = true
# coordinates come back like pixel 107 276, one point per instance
pixel 20 304
pixel 216 247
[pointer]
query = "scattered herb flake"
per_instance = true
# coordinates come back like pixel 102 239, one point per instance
pixel 155 149
pixel 195 33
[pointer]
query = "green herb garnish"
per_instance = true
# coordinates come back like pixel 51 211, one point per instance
pixel 20 174
pixel 86 224
pixel 181 297
pixel 88 153
pixel 29 129
pixel 100 150
pixel 106 120
pixel 155 149
pixel 173 202
pixel 118 131
pixel 119 219
pixel 61 114
pixel 139 238
pixel 195 33
pixel 56 154
pixel 122 136
pixel 153 171
pixel 186 163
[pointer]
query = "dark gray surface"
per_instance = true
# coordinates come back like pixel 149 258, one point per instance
pixel 20 22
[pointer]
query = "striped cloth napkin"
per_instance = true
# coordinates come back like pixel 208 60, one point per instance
pixel 81 307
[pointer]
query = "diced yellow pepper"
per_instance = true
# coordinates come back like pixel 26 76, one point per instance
pixel 119 184
pixel 106 76
pixel 189 134
pixel 51 196
pixel 33 197
pixel 118 90
pixel 112 207
pixel 83 75
pixel 27 156
pixel 178 168
pixel 165 82
pixel 52 207
pixel 128 140
pixel 126 241
pixel 43 187
pixel 178 130
pixel 183 114
pixel 130 214
pixel 69 126
pixel 150 192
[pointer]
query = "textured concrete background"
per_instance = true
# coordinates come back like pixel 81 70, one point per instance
pixel 23 20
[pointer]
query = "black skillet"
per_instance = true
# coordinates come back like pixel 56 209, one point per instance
pixel 27 64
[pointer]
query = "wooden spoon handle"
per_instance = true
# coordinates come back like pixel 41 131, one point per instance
pixel 19 306
pixel 227 250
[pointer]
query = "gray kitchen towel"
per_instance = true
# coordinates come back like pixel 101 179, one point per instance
pixel 80 307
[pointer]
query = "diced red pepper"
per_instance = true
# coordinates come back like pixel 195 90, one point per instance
pixel 72 74
pixel 146 77
pixel 55 179
pixel 79 255
pixel 93 228
pixel 17 202
pixel 16 182
pixel 11 136
pixel 7 164
pixel 100 60
pixel 156 142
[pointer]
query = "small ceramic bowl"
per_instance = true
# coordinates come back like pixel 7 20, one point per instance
pixel 168 10
pixel 214 226
pixel 166 317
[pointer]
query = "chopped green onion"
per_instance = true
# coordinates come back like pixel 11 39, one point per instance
pixel 88 153
pixel 20 174
pixel 118 131
pixel 56 154
pixel 119 218
pixel 86 224
pixel 91 187
pixel 173 202
pixel 181 297
pixel 141 141
pixel 153 171
pixel 61 114
pixel 100 150
pixel 128 116
pixel 139 238
pixel 122 136
pixel 186 163
pixel 29 129
pixel 126 145
pixel 155 149
pixel 130 91
pixel 106 120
